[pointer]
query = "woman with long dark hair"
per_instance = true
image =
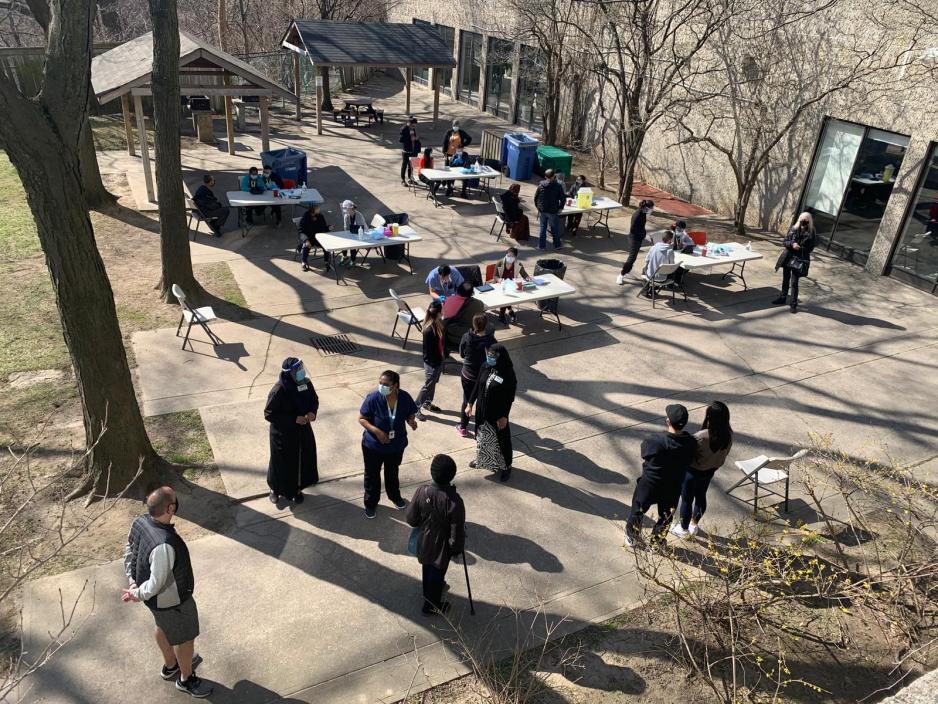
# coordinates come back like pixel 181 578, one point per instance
pixel 493 397
pixel 714 441
pixel 432 358
pixel 795 259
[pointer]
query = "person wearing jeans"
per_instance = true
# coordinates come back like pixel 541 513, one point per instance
pixel 472 348
pixel 385 415
pixel 549 199
pixel 795 258
pixel 432 358
pixel 410 147
pixel 636 237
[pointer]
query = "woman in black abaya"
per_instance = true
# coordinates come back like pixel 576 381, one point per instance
pixel 291 409
pixel 493 397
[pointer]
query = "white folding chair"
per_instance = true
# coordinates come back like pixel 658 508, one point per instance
pixel 203 316
pixel 499 218
pixel 666 276
pixel 411 317
pixel 763 472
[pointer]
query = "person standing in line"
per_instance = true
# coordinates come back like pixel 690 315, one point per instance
pixel 472 348
pixel 159 572
pixel 292 405
pixel 410 147
pixel 636 237
pixel 438 511
pixel 432 358
pixel 714 441
pixel 549 199
pixel 795 259
pixel 493 396
pixel 665 458
pixel 385 415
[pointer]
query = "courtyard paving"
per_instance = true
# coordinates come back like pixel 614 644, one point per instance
pixel 315 604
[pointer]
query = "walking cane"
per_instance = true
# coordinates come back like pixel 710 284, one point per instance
pixel 465 566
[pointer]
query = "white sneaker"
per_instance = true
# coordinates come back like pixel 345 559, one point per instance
pixel 679 532
pixel 629 540
pixel 620 279
pixel 692 529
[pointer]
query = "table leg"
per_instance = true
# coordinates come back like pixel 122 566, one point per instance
pixel 410 264
pixel 337 267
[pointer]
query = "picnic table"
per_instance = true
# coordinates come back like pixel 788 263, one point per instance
pixel 548 286
pixel 601 205
pixel 456 174
pixel 354 107
pixel 343 240
pixel 288 196
pixel 737 256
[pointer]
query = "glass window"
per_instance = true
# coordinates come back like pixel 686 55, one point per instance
pixel 470 67
pixel 422 75
pixel 831 173
pixel 446 75
pixel 916 257
pixel 499 77
pixel 531 89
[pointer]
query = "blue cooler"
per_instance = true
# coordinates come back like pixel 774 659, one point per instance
pixel 521 153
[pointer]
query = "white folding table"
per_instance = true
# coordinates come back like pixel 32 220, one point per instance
pixel 455 173
pixel 243 199
pixel 601 205
pixel 737 257
pixel 552 287
pixel 333 242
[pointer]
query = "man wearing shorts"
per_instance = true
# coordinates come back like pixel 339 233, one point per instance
pixel 158 569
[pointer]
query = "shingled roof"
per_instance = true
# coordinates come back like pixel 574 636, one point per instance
pixel 129 66
pixel 376 44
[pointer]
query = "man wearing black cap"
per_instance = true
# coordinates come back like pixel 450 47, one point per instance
pixel 438 511
pixel 665 457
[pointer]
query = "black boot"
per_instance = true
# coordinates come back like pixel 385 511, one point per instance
pixel 780 301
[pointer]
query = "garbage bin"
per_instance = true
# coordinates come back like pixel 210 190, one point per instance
pixel 521 153
pixel 558 269
pixel 287 163
pixel 549 157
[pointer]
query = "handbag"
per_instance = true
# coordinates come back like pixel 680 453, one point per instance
pixel 412 541
pixel 797 265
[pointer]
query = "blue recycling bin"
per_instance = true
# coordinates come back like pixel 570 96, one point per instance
pixel 521 153
pixel 287 163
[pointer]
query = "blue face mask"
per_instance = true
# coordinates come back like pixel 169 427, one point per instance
pixel 300 374
pixel 490 360
pixel 384 389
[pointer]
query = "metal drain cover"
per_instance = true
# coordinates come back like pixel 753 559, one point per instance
pixel 329 345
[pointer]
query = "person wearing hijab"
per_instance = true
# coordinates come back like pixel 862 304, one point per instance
pixel 493 396
pixel 292 405
pixel 385 415
pixel 438 511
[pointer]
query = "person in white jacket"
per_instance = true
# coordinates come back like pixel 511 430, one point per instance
pixel 660 253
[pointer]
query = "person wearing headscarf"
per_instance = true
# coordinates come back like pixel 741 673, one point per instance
pixel 492 397
pixel 438 511
pixel 292 405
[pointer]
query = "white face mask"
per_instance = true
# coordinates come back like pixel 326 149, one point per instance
pixel 509 259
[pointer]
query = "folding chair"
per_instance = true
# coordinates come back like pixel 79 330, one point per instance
pixel 301 238
pixel 489 273
pixel 196 215
pixel 764 471
pixel 471 273
pixel 412 317
pixel 499 218
pixel 202 316
pixel 667 276
pixel 415 169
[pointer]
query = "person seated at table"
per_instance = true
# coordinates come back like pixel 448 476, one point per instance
pixel 682 241
pixel 460 159
pixel 443 281
pixel 573 221
pixel 661 253
pixel 273 182
pixel 458 312
pixel 354 222
pixel 254 183
pixel 516 222
pixel 509 268
pixel 311 224
pixel 374 115
pixel 455 139
pixel 214 213
pixel 426 162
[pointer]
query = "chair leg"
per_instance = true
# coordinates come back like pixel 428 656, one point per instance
pixel 787 481
pixel 500 231
pixel 406 335
pixel 179 327
pixel 394 329
pixel 189 227
pixel 755 497
pixel 186 338
pixel 492 229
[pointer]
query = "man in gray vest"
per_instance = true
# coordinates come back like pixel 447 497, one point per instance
pixel 158 569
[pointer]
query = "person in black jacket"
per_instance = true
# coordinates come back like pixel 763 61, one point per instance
pixel 665 459
pixel 432 358
pixel 311 224
pixel 549 199
pixel 439 513
pixel 291 407
pixel 410 147
pixel 636 236
pixel 795 258
pixel 493 396
pixel 212 210
pixel 455 139
pixel 573 221
pixel 516 222
pixel 472 348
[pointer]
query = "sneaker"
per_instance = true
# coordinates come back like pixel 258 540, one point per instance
pixel 463 433
pixel 432 408
pixel 543 249
pixel 692 528
pixel 420 415
pixel 630 541
pixel 680 532
pixel 400 504
pixel 171 673
pixel 370 513
pixel 793 308
pixel 472 464
pixel 503 319
pixel 298 499
pixel 404 184
pixel 506 473
pixel 512 318
pixel 620 279
pixel 195 687
pixel 273 497
pixel 780 301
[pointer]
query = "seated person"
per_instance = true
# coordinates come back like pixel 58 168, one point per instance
pixel 254 183
pixel 352 221
pixel 443 281
pixel 209 206
pixel 509 268
pixel 426 162
pixel 682 242
pixel 517 222
pixel 273 182
pixel 573 221
pixel 375 115
pixel 458 312
pixel 660 253
pixel 460 160
pixel 311 224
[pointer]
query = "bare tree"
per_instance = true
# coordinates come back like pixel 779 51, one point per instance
pixel 41 137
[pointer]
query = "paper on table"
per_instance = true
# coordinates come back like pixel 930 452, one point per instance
pixel 539 281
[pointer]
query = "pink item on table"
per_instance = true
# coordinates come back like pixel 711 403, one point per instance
pixel 276 193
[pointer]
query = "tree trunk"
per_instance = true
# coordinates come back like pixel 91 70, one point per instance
pixel 326 105
pixel 41 137
pixel 96 195
pixel 741 208
pixel 222 24
pixel 633 148
pixel 174 235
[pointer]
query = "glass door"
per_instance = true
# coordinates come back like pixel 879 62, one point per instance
pixel 446 75
pixel 915 259
pixel 499 77
pixel 830 174
pixel 530 89
pixel 470 67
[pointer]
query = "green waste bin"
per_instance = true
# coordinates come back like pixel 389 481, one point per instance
pixel 553 158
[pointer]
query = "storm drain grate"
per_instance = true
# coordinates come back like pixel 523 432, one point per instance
pixel 329 345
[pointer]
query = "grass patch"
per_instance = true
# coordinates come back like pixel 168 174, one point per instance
pixel 108 131
pixel 22 411
pixel 181 439
pixel 30 331
pixel 218 280
pixel 18 236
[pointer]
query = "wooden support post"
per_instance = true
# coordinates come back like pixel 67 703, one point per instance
pixel 408 79
pixel 318 103
pixel 265 123
pixel 229 125
pixel 128 124
pixel 435 77
pixel 296 84
pixel 144 147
